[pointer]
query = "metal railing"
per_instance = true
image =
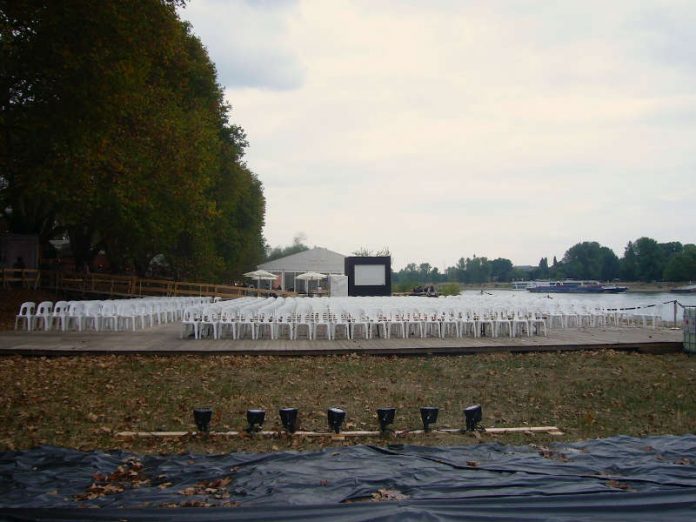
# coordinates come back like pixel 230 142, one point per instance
pixel 121 286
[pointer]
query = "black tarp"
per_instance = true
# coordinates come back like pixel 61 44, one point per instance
pixel 617 478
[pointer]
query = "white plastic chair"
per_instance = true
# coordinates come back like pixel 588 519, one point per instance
pixel 26 314
pixel 501 320
pixel 284 326
pixel 108 316
pixel 396 323
pixel 75 316
pixel 190 320
pixel 450 325
pixel 91 316
pixel 520 325
pixel 359 326
pixel 126 315
pixel 210 319
pixel 60 309
pixel 264 324
pixel 340 324
pixel 322 325
pixel 244 325
pixel 468 325
pixel 302 323
pixel 536 324
pixel 44 315
pixel 227 324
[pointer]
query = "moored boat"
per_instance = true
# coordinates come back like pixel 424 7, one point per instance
pixel 526 285
pixel 688 289
pixel 576 287
pixel 613 289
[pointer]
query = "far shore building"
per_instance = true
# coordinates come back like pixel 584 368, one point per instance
pixel 315 259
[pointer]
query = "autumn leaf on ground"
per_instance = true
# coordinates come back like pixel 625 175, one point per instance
pixel 388 495
pixel 619 485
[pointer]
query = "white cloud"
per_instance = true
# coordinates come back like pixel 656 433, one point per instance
pixel 246 40
pixel 443 129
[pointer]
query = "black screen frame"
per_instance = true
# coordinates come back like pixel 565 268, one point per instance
pixel 368 290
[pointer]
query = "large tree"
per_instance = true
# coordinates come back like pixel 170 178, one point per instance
pixel 648 258
pixel 590 260
pixel 501 269
pixel 115 132
pixel 682 266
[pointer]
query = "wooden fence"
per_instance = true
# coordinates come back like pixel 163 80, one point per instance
pixel 120 286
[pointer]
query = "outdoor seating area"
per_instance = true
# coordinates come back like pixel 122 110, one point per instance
pixel 330 318
pixel 112 314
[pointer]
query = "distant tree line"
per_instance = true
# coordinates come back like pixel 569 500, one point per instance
pixel 115 135
pixel 643 260
pixel 296 247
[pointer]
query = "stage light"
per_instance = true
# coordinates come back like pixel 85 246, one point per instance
pixel 473 415
pixel 288 416
pixel 255 419
pixel 428 416
pixel 202 416
pixel 336 416
pixel 385 416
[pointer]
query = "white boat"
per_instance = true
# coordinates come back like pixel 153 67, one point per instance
pixel 526 285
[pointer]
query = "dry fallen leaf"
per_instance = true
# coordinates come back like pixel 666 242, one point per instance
pixel 388 495
pixel 619 485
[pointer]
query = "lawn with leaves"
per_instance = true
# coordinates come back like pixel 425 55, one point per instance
pixel 83 401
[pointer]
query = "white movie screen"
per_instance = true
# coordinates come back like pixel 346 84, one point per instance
pixel 369 275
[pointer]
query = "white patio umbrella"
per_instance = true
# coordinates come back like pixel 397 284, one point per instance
pixel 260 275
pixel 311 276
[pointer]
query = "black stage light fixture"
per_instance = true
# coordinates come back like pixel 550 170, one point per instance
pixel 336 416
pixel 385 416
pixel 428 416
pixel 255 419
pixel 288 416
pixel 473 416
pixel 202 416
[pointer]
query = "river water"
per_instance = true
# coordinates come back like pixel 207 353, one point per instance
pixel 661 301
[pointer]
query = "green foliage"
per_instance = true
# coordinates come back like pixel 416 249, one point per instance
pixel 368 252
pixel 644 260
pixel 114 131
pixel 449 289
pixel 469 270
pixel 296 247
pixel 501 270
pixel 590 260
pixel 542 271
pixel 629 263
pixel 402 287
pixel 682 266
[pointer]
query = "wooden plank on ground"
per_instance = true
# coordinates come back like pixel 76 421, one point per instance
pixel 553 430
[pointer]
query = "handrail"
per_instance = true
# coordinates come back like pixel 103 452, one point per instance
pixel 122 285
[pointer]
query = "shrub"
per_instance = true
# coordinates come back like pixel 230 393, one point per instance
pixel 449 289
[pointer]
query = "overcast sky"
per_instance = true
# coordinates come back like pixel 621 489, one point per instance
pixel 447 128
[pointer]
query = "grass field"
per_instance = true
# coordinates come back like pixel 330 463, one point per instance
pixel 82 401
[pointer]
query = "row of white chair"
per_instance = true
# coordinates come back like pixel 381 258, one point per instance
pixel 385 317
pixel 113 314
pixel 350 318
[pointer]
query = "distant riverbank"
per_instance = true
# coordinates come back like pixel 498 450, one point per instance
pixel 633 286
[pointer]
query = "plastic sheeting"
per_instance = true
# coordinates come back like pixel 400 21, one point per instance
pixel 608 479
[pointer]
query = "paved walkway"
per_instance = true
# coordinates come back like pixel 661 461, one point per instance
pixel 165 340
